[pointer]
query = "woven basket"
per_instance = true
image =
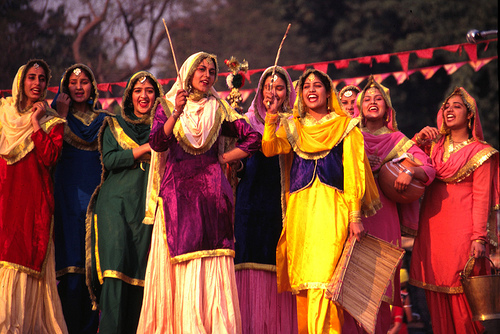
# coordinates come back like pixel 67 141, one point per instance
pixel 362 277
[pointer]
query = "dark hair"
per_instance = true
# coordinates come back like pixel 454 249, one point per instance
pixel 322 77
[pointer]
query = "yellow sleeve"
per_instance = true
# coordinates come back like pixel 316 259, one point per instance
pixel 357 179
pixel 274 142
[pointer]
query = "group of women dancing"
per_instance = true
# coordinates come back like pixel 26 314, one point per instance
pixel 128 224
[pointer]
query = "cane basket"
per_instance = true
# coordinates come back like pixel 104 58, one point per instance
pixel 482 292
pixel 362 276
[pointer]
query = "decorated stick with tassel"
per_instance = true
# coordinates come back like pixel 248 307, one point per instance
pixel 277 57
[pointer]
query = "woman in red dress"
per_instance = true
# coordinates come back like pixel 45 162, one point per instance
pixel 458 217
pixel 31 137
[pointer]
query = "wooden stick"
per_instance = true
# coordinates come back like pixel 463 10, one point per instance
pixel 277 57
pixel 171 48
pixel 279 49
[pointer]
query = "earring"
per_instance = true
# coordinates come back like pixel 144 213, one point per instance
pixel 470 123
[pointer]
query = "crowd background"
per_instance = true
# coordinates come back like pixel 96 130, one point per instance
pixel 118 38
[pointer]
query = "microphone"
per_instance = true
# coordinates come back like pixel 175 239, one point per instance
pixel 474 36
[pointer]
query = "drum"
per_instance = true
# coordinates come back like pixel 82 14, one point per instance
pixel 387 176
pixel 362 276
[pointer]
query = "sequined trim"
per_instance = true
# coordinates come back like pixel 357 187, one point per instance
pixel 309 286
pixel 406 231
pixel 78 142
pixel 202 254
pixel 435 288
pixel 293 136
pixel 255 266
pixel 121 137
pixel 21 150
pixel 476 161
pixel 70 270
pixel 372 208
pixel 123 277
pixel 401 147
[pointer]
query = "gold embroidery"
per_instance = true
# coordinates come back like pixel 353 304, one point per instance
pixel 121 137
pixel 255 266
pixel 477 160
pixel 202 254
pixel 435 288
pixel 123 277
pixel 21 150
pixel 70 270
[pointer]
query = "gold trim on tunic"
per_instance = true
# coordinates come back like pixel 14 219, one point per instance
pixel 202 254
pixel 255 266
pixel 123 277
pixel 435 288
pixel 21 150
pixel 476 161
pixel 70 270
pixel 121 137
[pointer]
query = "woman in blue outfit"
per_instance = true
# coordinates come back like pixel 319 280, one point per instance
pixel 77 174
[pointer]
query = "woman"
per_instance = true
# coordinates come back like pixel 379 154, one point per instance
pixel 347 97
pixel 323 174
pixel 383 142
pixel 191 287
pixel 77 174
pixel 258 221
pixel 30 143
pixel 117 240
pixel 458 215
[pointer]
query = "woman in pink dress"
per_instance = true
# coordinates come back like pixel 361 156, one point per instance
pixel 458 218
pixel 383 142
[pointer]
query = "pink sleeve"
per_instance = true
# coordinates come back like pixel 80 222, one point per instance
pixel 481 190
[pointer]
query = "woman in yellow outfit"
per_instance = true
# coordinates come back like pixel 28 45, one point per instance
pixel 327 186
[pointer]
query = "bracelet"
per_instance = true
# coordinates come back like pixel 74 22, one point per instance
pixel 482 242
pixel 174 114
pixel 405 170
pixel 418 139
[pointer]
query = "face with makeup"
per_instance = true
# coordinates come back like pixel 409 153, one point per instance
pixel 143 97
pixel 455 113
pixel 373 105
pixel 276 89
pixel 34 84
pixel 348 101
pixel 79 86
pixel 314 94
pixel 204 76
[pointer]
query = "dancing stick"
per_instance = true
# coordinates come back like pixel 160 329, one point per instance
pixel 276 61
pixel 279 49
pixel 171 48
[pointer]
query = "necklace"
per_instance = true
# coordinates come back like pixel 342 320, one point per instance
pixel 453 148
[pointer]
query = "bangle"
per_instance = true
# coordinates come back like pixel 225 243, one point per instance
pixel 482 242
pixel 174 114
pixel 405 170
pixel 418 139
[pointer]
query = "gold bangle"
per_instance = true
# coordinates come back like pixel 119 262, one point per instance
pixel 482 242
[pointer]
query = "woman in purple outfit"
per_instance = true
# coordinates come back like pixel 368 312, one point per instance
pixel 190 282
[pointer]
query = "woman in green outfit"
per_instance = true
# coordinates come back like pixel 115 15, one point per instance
pixel 117 240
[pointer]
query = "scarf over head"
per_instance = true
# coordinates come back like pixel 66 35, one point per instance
pixel 390 118
pixel 198 116
pixel 137 128
pixel 15 123
pixel 348 91
pixel 257 111
pixel 322 137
